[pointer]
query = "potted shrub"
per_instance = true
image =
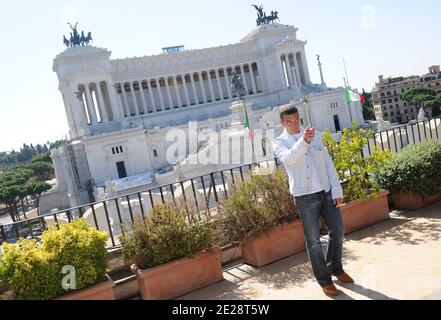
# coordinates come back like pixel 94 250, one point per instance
pixel 172 252
pixel 364 202
pixel 260 214
pixel 36 271
pixel 413 176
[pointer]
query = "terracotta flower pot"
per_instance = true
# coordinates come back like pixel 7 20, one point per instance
pixel 412 200
pixel 362 213
pixel 280 242
pixel 179 277
pixel 100 291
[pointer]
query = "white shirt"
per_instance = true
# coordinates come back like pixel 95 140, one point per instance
pixel 316 183
pixel 305 162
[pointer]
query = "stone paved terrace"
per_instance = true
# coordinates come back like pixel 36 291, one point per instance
pixel 397 259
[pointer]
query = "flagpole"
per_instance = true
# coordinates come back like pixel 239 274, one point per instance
pixel 249 128
pixel 346 72
pixel 349 104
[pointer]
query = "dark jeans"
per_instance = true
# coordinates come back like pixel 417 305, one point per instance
pixel 310 208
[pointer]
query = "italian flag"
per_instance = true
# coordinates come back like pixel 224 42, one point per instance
pixel 246 126
pixel 352 96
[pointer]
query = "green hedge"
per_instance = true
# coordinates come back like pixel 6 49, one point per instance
pixel 416 168
pixel 34 271
pixel 169 232
pixel 256 206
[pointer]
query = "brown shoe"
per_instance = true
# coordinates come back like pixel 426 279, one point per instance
pixel 330 290
pixel 344 277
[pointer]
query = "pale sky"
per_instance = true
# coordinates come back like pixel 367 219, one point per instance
pixel 375 37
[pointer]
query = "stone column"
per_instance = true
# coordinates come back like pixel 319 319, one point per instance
pixel 210 84
pixel 117 110
pixel 187 96
pixel 76 111
pixel 196 98
pixel 289 73
pixel 102 106
pixel 175 82
pixel 297 72
pixel 282 72
pixel 244 79
pixel 152 98
pixel 305 67
pixel 201 83
pixel 90 105
pixel 227 82
pixel 170 99
pixel 126 101
pixel 253 80
pixel 219 86
pixel 161 97
pixel 141 92
pixel 135 101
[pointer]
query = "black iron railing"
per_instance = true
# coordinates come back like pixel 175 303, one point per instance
pixel 204 191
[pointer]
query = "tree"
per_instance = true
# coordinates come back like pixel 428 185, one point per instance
pixel 22 181
pixel 419 97
pixel 13 188
pixel 41 169
pixel 368 108
pixel 435 105
pixel 45 157
pixel 35 188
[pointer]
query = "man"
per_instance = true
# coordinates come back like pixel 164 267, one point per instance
pixel 314 183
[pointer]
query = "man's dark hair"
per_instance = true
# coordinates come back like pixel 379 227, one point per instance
pixel 287 110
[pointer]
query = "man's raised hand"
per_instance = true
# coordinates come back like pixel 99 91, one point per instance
pixel 309 134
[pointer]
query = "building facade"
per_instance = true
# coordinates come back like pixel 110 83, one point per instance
pixel 386 95
pixel 120 110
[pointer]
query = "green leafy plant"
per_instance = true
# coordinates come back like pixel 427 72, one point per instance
pixel 352 167
pixel 417 168
pixel 34 271
pixel 256 206
pixel 169 232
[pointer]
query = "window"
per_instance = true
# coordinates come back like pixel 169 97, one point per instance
pixel 385 115
pixel 336 123
pixel 383 101
pixel 390 100
pixel 122 173
pixel 117 150
pixel 392 113
pixel 391 107
pixel 155 153
pixel 396 99
pixel 388 93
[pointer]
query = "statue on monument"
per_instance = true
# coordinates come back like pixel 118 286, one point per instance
pixel 76 39
pixel 66 42
pixel 422 115
pixel 237 86
pixel 178 171
pixel 262 18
